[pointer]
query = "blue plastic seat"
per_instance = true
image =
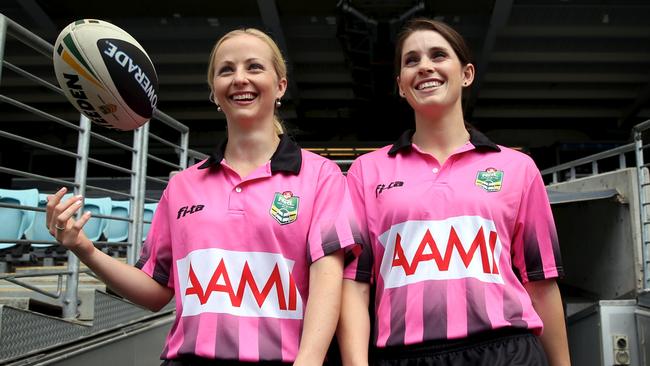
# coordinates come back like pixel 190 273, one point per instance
pixel 15 222
pixel 96 226
pixel 118 230
pixel 147 215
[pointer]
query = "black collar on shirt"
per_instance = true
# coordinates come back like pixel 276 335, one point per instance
pixel 286 158
pixel 479 140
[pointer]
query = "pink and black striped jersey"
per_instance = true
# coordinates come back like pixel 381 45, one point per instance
pixel 237 251
pixel 449 247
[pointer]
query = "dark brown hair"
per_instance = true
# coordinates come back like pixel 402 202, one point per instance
pixel 456 41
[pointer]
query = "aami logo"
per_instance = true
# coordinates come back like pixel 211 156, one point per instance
pixel 382 187
pixel 238 283
pixel 458 247
pixel 186 210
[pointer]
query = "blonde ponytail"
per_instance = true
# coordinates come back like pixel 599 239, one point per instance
pixel 279 128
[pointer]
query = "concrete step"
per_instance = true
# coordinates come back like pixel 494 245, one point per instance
pixel 24 333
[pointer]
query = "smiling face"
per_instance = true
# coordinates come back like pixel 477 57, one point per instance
pixel 245 83
pixel 431 75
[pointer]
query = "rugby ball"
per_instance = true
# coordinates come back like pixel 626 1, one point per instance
pixel 106 74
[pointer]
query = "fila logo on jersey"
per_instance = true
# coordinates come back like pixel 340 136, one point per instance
pixel 255 284
pixel 458 247
pixel 382 187
pixel 185 211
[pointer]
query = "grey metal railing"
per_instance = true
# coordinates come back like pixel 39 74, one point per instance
pixel 638 148
pixel 137 172
pixel 591 160
pixel 643 181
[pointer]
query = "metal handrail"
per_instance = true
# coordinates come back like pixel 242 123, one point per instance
pixel 41 209
pixel 28 38
pixel 43 178
pixel 591 159
pixel 163 161
pixel 111 142
pixel 163 141
pixel 32 77
pixel 56 295
pixel 170 121
pixel 642 181
pixel 37 112
pixel 137 171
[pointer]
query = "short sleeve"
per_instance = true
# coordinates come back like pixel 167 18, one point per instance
pixel 360 269
pixel 156 255
pixel 535 247
pixel 332 225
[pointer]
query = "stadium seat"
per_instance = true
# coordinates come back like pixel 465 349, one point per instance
pixel 147 215
pixel 118 230
pixel 96 226
pixel 16 222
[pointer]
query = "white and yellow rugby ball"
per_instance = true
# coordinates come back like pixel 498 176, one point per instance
pixel 106 74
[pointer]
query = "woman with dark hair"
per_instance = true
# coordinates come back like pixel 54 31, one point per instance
pixel 460 240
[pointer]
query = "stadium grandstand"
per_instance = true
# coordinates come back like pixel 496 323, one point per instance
pixel 564 81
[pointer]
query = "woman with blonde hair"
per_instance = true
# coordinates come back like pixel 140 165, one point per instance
pixel 249 242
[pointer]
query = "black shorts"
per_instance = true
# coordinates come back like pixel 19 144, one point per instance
pixel 507 347
pixel 198 361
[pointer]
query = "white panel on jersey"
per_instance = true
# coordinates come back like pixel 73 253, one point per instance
pixel 457 247
pixel 253 284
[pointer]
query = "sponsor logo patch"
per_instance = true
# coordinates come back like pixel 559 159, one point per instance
pixel 284 208
pixel 255 284
pixel 457 247
pixel 490 179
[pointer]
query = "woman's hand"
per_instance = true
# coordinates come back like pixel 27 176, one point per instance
pixel 62 225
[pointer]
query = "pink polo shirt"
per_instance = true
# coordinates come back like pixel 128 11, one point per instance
pixel 237 251
pixel 450 246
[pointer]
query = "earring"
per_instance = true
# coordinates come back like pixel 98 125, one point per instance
pixel 219 108
pixel 278 103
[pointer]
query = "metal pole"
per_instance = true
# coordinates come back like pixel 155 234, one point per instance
pixel 3 38
pixel 135 226
pixel 70 296
pixel 185 142
pixel 142 183
pixel 29 39
pixel 645 240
